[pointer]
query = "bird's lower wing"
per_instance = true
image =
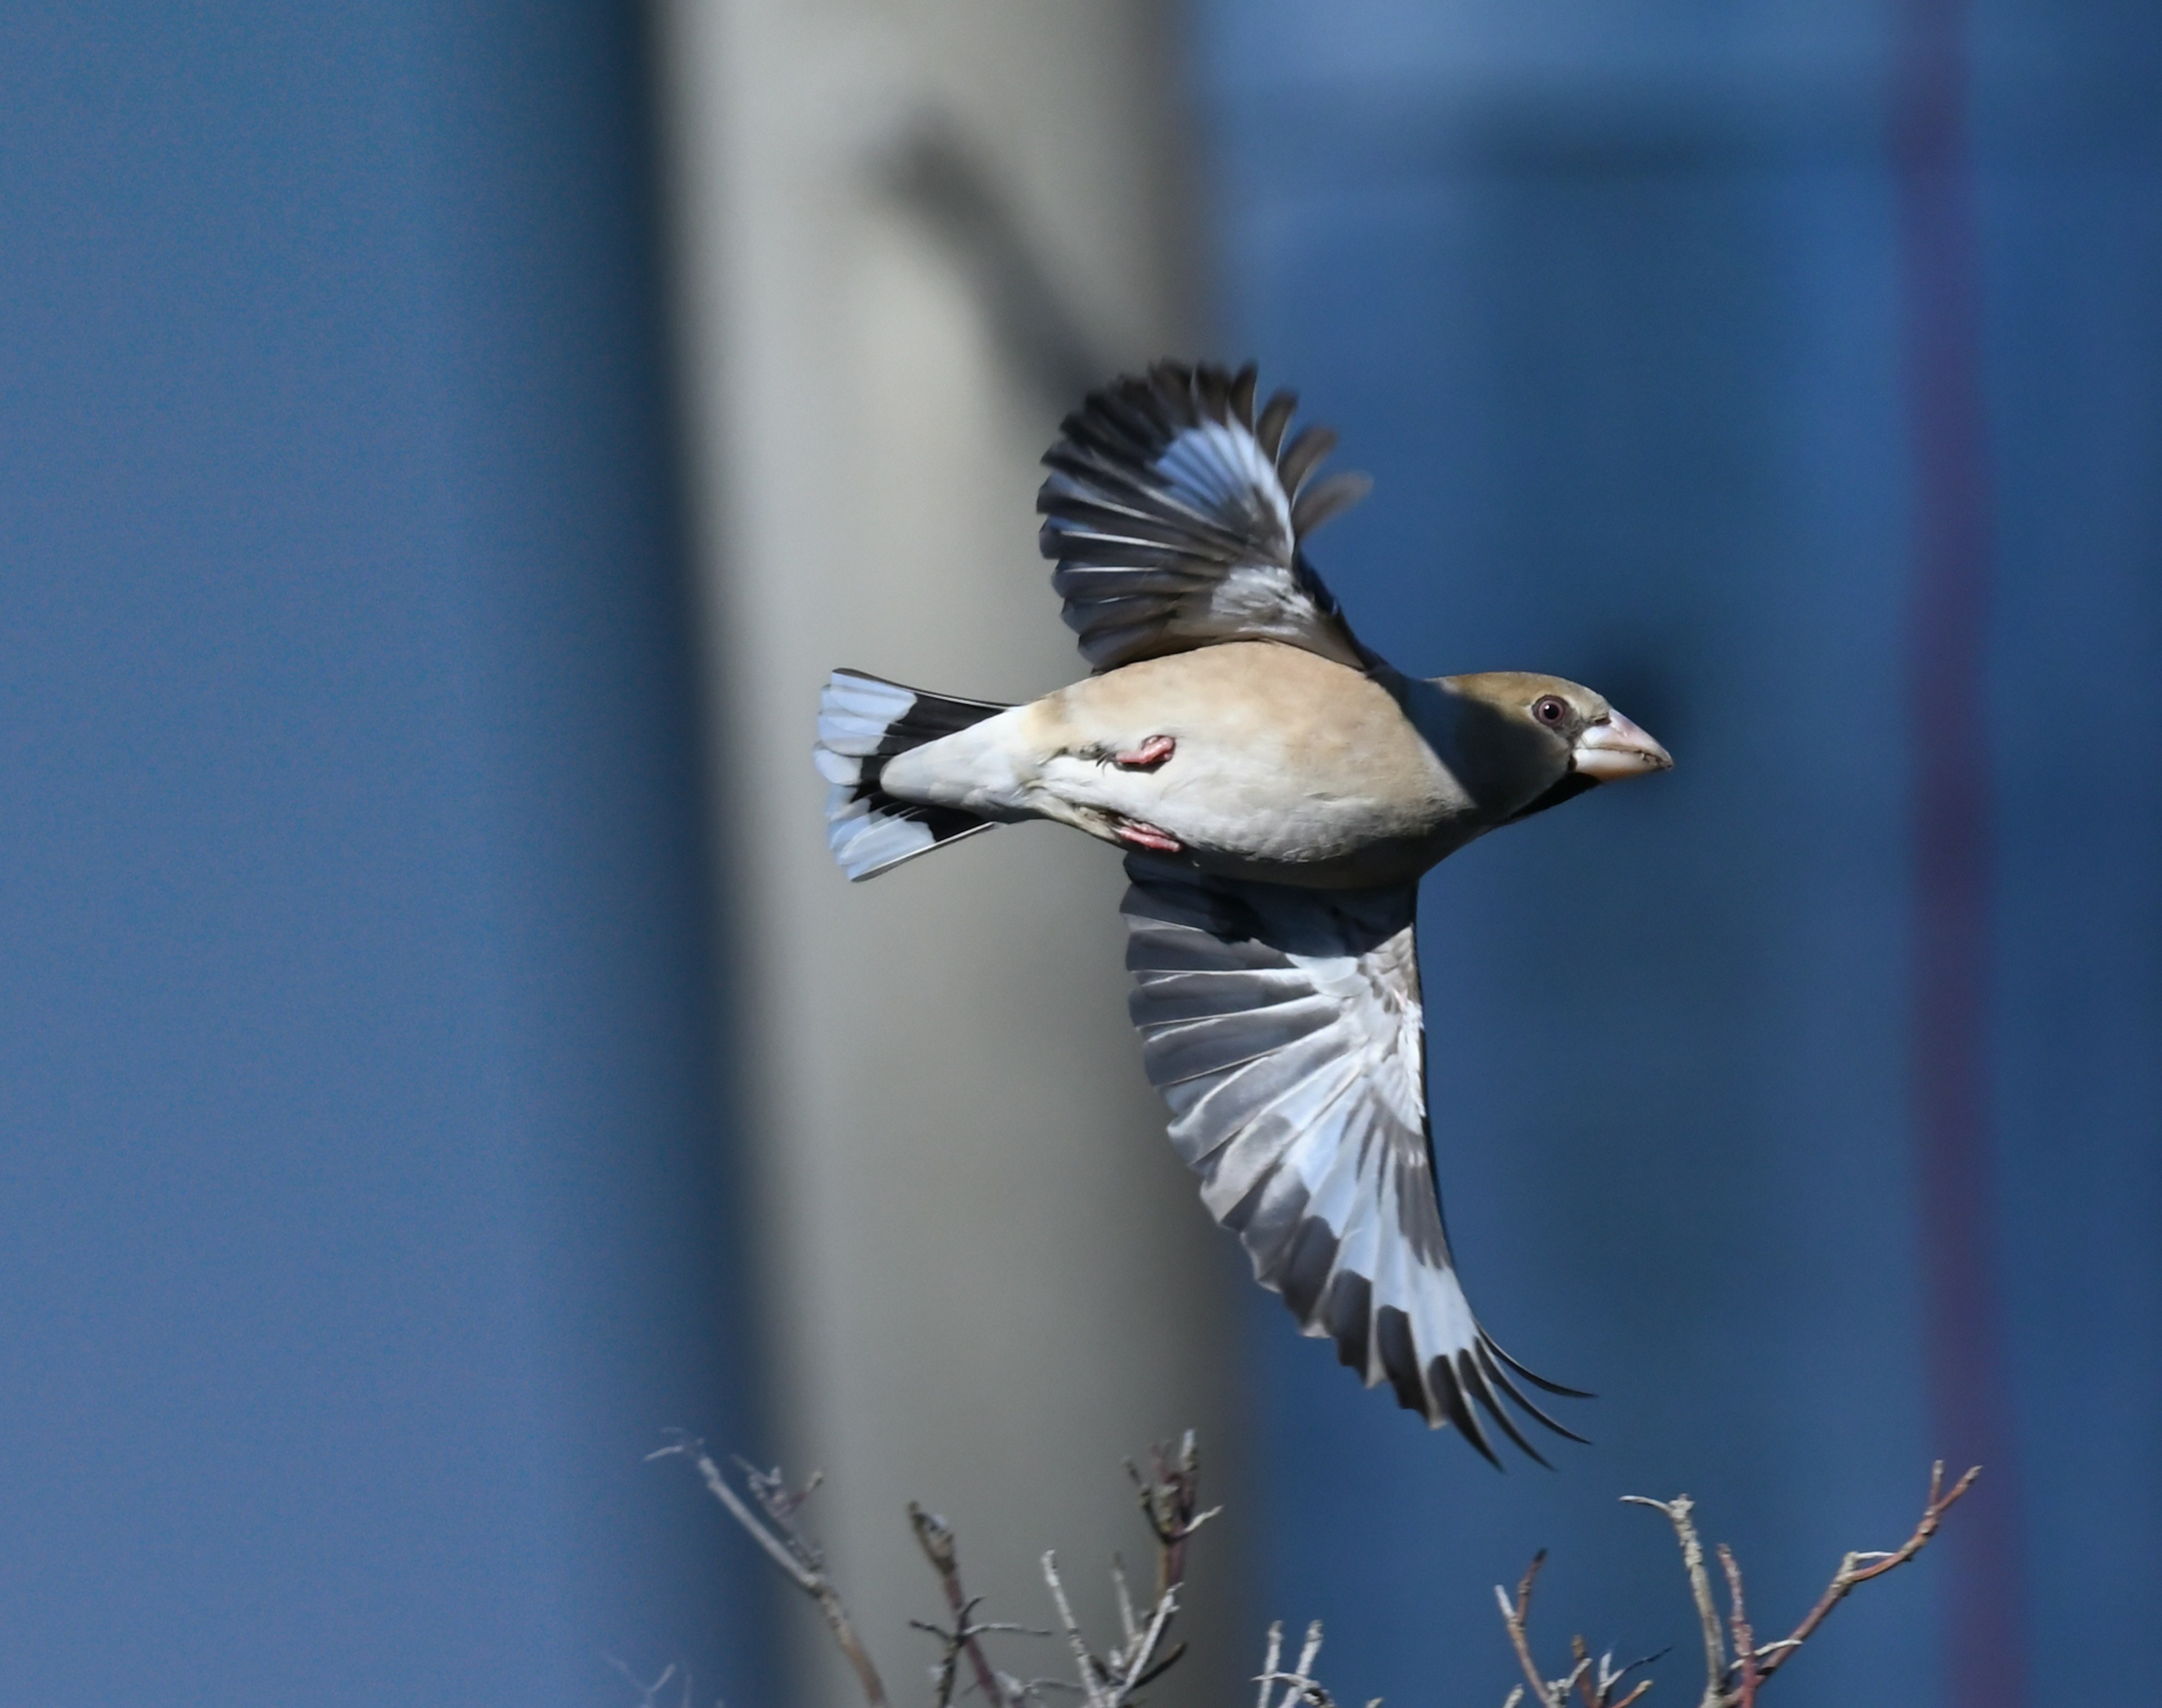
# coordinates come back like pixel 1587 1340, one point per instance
pixel 1283 1027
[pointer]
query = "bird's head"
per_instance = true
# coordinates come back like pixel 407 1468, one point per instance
pixel 1523 743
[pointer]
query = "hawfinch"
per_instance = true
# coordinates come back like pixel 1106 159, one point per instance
pixel 1278 789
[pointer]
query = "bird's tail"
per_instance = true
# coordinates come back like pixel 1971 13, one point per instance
pixel 862 722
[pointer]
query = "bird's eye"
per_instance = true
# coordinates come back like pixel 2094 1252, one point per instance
pixel 1551 710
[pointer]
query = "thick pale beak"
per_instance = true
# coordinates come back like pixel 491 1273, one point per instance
pixel 1614 748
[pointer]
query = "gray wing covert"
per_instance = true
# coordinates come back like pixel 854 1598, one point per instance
pixel 1283 1027
pixel 1175 515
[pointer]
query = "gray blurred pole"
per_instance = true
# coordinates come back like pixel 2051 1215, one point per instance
pixel 903 236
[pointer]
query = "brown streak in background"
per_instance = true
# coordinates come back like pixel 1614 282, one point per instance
pixel 1968 1372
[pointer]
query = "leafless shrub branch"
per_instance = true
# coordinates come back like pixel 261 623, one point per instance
pixel 1677 1511
pixel 1171 1502
pixel 1860 1567
pixel 935 1537
pixel 1728 1682
pixel 1168 1493
pixel 786 1545
pixel 1595 1683
pixel 649 1696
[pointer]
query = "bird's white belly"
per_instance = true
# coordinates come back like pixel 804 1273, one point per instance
pixel 1284 765
pixel 1239 805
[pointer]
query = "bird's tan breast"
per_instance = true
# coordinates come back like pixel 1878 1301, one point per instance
pixel 1283 759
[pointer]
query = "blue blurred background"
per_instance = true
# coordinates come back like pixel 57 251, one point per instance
pixel 365 1210
pixel 372 1169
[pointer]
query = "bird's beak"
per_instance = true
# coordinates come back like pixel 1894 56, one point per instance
pixel 1614 748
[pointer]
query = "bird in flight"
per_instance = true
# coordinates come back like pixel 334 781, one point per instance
pixel 1278 789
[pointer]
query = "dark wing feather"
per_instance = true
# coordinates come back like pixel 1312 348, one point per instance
pixel 1283 1027
pixel 1175 523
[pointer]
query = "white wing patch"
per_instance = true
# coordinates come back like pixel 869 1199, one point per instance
pixel 1283 1027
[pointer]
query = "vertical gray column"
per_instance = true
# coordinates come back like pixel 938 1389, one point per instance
pixel 904 237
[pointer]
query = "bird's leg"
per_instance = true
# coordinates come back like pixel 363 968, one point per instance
pixel 1148 755
pixel 1135 834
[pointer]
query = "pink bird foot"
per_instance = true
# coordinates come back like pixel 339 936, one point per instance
pixel 1136 834
pixel 1148 755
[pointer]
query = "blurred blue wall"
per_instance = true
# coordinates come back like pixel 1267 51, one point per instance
pixel 1609 299
pixel 361 1214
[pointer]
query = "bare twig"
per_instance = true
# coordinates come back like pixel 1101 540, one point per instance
pixel 1310 1651
pixel 935 1537
pixel 1596 1687
pixel 1128 1627
pixel 1084 1663
pixel 1735 1683
pixel 1171 1502
pixel 1860 1567
pixel 1745 1640
pixel 1513 1616
pixel 649 1696
pixel 1678 1511
pixel 1169 1498
pixel 1726 1683
pixel 1141 1662
pixel 967 1628
pixel 786 1545
pixel 1300 1686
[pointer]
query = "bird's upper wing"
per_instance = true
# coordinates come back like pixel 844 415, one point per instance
pixel 1283 1027
pixel 1175 515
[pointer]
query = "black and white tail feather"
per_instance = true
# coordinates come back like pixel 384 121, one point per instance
pixel 862 722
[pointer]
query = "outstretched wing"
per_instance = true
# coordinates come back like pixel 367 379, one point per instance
pixel 1175 515
pixel 1283 1027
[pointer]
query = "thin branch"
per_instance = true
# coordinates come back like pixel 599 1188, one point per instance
pixel 1745 1640
pixel 947 1671
pixel 1169 1498
pixel 804 1577
pixel 1310 1651
pixel 1300 1686
pixel 1860 1567
pixel 1128 1628
pixel 1084 1663
pixel 1269 1663
pixel 1144 1651
pixel 649 1696
pixel 1170 1658
pixel 790 1550
pixel 1302 1692
pixel 935 1537
pixel 1513 1616
pixel 1596 1687
pixel 1171 1501
pixel 1678 1511
pixel 1553 1692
